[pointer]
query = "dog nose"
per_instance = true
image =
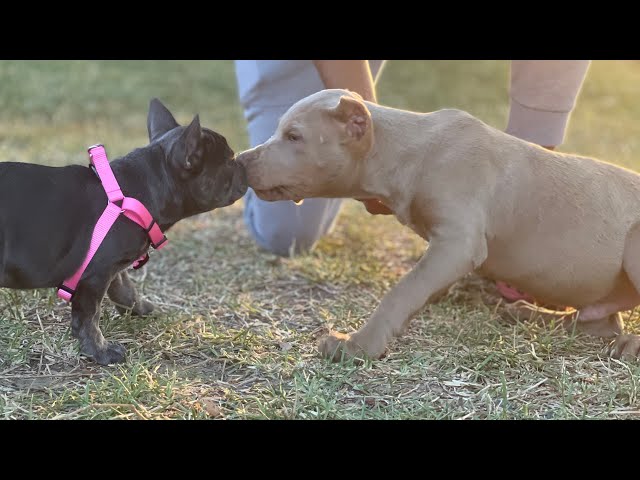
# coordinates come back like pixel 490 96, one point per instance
pixel 240 182
pixel 241 159
pixel 242 173
pixel 245 157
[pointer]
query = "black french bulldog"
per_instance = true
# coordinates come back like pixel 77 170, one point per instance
pixel 47 216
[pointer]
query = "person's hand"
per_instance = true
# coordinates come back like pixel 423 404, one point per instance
pixel 375 207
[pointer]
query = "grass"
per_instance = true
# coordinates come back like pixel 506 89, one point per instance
pixel 235 330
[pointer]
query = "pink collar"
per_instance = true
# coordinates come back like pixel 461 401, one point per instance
pixel 130 207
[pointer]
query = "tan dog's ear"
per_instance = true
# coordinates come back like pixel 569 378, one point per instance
pixel 354 114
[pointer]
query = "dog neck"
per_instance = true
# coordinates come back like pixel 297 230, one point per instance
pixel 394 133
pixel 142 174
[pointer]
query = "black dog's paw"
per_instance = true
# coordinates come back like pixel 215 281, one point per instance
pixel 140 309
pixel 143 307
pixel 114 353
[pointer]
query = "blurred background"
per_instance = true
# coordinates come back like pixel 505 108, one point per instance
pixel 50 111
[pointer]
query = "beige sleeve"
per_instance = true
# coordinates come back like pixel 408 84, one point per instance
pixel 543 93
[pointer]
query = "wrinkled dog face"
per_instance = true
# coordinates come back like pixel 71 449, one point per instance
pixel 316 150
pixel 199 160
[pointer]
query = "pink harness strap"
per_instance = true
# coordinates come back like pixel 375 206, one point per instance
pixel 131 208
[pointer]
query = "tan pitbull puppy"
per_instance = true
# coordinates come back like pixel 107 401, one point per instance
pixel 563 228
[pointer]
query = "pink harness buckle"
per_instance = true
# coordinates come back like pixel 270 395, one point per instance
pixel 133 209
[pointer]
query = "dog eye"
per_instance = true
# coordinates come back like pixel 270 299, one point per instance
pixel 293 136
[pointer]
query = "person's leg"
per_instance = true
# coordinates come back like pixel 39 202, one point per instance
pixel 542 96
pixel 267 88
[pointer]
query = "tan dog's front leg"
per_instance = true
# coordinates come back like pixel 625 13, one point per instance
pixel 446 261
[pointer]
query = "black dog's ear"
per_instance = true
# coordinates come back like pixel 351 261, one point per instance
pixel 192 140
pixel 159 120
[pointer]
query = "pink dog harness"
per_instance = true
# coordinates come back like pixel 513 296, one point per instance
pixel 130 207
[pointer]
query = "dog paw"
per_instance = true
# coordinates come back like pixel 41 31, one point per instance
pixel 114 353
pixel 626 347
pixel 140 308
pixel 338 346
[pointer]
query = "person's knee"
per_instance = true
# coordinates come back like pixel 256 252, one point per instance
pixel 286 240
pixel 286 229
pixel 286 234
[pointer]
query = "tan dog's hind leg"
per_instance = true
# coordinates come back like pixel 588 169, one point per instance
pixel 601 319
pixel 446 261
pixel 628 345
pixel 523 311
